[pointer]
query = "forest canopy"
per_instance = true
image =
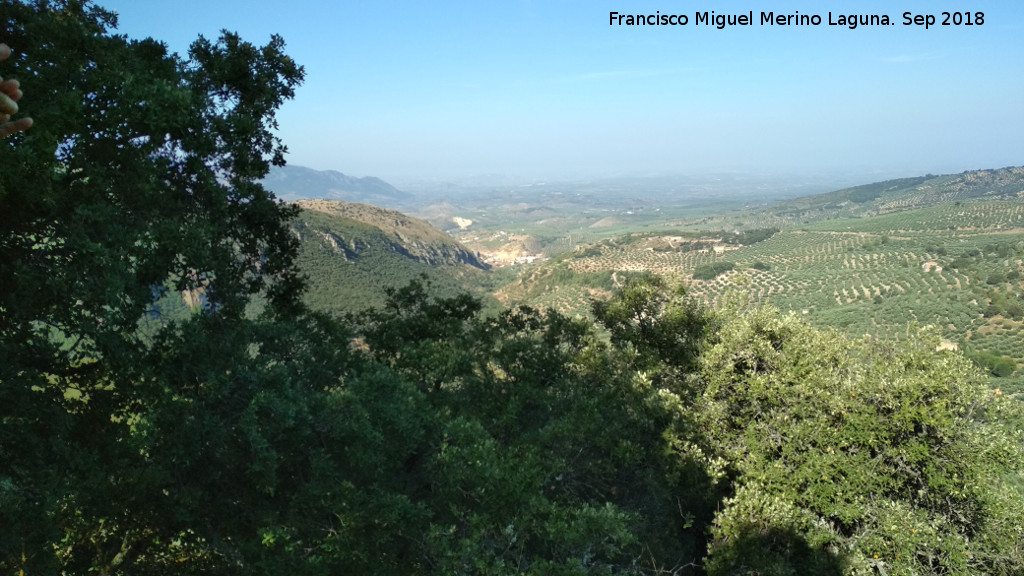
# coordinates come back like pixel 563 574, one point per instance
pixel 245 433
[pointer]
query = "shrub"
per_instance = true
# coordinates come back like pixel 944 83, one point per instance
pixel 994 364
pixel 712 271
pixel 995 278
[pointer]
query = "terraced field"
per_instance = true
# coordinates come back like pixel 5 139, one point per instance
pixel 957 266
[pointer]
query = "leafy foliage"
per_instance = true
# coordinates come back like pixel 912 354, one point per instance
pixel 139 178
pixel 886 459
pixel 662 326
pixel 553 451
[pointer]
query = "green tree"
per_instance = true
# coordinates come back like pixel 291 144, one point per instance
pixel 858 456
pixel 660 323
pixel 555 454
pixel 140 178
pixel 711 271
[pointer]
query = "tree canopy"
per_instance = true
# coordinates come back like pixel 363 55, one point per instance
pixel 139 179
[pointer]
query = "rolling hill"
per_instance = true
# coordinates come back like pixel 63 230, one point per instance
pixel 901 194
pixel 870 260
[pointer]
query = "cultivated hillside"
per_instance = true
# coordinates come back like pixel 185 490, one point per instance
pixel 902 194
pixel 873 259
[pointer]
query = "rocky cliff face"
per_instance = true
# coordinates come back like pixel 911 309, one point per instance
pixel 353 228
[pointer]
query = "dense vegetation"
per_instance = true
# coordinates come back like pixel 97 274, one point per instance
pixel 349 263
pixel 421 436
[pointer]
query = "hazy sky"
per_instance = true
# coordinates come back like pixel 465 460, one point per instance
pixel 548 88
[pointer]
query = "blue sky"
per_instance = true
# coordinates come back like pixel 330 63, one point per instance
pixel 405 90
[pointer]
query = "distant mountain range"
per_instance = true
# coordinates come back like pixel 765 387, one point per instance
pixel 292 183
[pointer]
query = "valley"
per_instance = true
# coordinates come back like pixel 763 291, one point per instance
pixel 874 260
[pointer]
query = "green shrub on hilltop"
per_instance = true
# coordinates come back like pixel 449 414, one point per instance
pixel 711 271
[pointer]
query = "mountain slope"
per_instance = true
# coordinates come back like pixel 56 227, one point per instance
pixel 296 182
pixel 352 252
pixel 906 193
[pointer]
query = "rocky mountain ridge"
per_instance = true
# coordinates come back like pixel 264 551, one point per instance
pixel 408 236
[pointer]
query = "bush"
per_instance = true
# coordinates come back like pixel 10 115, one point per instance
pixel 994 364
pixel 711 271
pixel 591 252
